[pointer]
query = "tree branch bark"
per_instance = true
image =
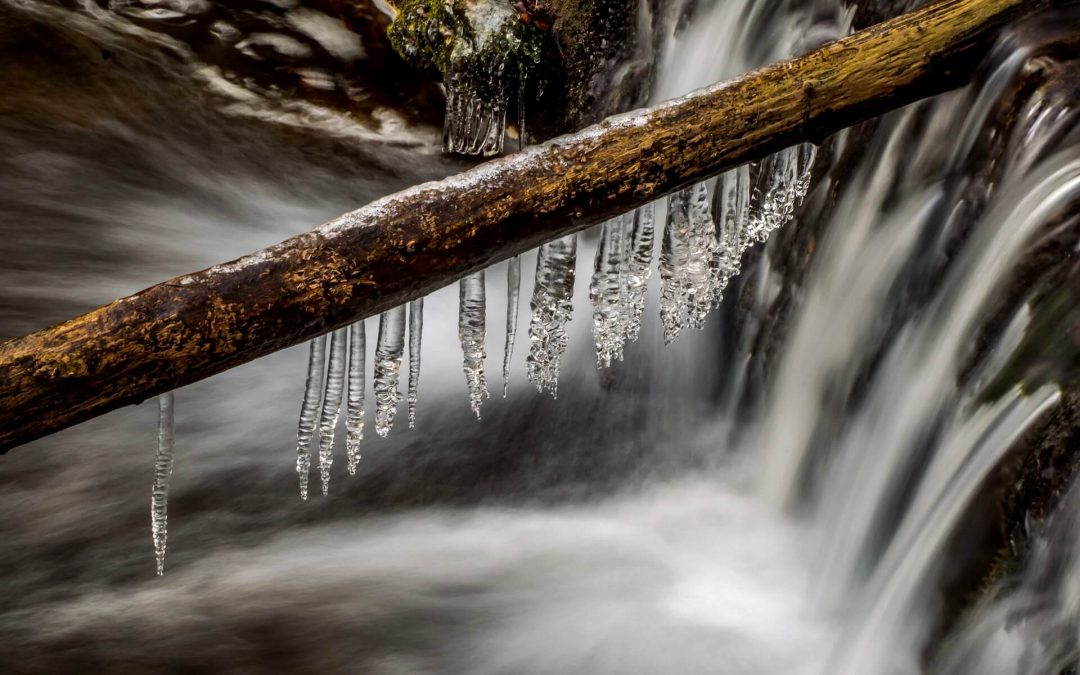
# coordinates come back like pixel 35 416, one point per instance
pixel 411 243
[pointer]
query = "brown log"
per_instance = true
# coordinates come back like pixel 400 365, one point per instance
pixel 411 243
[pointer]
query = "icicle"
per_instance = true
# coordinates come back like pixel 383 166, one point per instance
pixel 608 288
pixel 807 154
pixel 308 410
pixel 688 265
pixel 475 126
pixel 388 353
pixel 732 204
pixel 416 330
pixel 638 270
pixel 513 293
pixel 331 407
pixel 472 331
pixel 552 306
pixel 354 411
pixel 163 468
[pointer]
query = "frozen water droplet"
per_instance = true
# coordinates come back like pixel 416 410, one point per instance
pixel 331 407
pixel 388 353
pixel 416 330
pixel 552 307
pixel 354 411
pixel 163 468
pixel 472 331
pixel 308 410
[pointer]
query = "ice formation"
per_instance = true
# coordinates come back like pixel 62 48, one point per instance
pixel 331 405
pixel 638 269
pixel 416 331
pixel 472 331
pixel 707 232
pixel 688 262
pixel 474 125
pixel 608 291
pixel 163 468
pixel 513 297
pixel 308 410
pixel 552 306
pixel 388 353
pixel 354 407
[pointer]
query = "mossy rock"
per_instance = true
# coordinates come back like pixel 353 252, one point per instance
pixel 547 53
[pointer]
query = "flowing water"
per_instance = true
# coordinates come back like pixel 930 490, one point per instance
pixel 790 490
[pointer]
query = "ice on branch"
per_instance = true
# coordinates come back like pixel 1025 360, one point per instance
pixel 552 306
pixel 472 331
pixel 388 354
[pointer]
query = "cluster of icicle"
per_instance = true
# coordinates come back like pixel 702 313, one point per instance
pixel 705 239
pixel 706 234
pixel 703 244
pixel 341 377
pixel 474 125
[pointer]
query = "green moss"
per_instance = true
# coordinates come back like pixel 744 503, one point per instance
pixel 482 47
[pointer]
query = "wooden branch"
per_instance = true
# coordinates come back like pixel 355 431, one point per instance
pixel 411 243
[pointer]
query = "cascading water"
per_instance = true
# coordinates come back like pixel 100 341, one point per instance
pixel 795 515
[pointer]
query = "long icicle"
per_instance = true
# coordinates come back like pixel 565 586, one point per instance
pixel 607 291
pixel 163 468
pixel 513 299
pixel 331 407
pixel 688 266
pixel 472 329
pixel 354 410
pixel 416 331
pixel 552 308
pixel 308 410
pixel 638 269
pixel 388 353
